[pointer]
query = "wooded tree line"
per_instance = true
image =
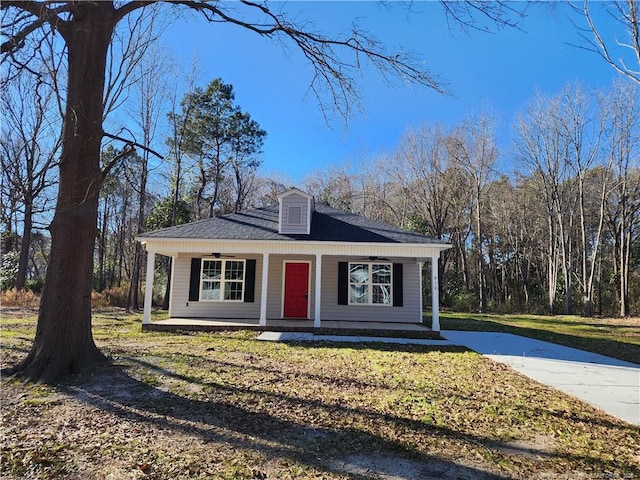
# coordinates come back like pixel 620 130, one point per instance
pixel 550 225
pixel 209 165
pixel 558 232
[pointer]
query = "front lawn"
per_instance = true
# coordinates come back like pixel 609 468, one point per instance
pixel 226 406
pixel 614 337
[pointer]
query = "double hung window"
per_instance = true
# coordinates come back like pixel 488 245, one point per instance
pixel 222 280
pixel 370 284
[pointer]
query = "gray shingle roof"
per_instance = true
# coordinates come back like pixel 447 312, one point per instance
pixel 328 225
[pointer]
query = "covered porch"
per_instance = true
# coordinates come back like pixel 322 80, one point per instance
pixel 264 296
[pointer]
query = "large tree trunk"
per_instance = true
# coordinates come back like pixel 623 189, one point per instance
pixel 63 343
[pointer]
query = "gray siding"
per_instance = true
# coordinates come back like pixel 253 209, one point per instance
pixel 408 313
pixel 181 307
pixel 294 200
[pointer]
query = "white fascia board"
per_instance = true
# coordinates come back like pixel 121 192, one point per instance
pixel 172 247
pixel 294 190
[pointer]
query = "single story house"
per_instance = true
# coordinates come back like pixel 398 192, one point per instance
pixel 295 260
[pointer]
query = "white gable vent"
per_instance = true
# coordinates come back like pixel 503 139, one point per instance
pixel 295 215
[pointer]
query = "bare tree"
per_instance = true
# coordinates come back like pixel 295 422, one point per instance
pixel 30 145
pixel 87 29
pixel 543 151
pixel 473 148
pixel 332 186
pixel 580 124
pixel 622 142
pixel 423 167
pixel 621 49
pixel 151 93
pixel 424 155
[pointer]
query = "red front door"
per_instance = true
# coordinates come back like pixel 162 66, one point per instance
pixel 296 290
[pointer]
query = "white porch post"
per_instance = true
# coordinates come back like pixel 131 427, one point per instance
pixel 435 296
pixel 420 302
pixel 263 290
pixel 318 294
pixel 148 287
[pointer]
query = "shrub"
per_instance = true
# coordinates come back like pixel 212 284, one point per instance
pixel 464 302
pixel 8 269
pixel 35 285
pixel 112 297
pixel 23 298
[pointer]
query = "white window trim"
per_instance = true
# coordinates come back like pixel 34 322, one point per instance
pixel 370 284
pixel 222 280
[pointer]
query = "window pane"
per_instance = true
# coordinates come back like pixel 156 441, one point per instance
pixel 211 270
pixel 233 291
pixel 358 273
pixel 210 290
pixel 381 273
pixel 359 294
pixel 234 270
pixel 381 294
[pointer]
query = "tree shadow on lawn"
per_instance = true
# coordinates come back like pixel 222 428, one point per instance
pixel 312 441
pixel 609 347
pixel 316 443
pixel 588 415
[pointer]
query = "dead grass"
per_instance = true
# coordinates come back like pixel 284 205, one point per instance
pixel 226 406
pixel 19 299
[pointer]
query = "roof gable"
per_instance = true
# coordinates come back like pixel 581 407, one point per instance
pixel 294 190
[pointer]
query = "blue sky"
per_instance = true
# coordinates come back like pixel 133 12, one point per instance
pixel 495 72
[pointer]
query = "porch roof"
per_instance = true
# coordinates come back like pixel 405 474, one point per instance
pixel 328 225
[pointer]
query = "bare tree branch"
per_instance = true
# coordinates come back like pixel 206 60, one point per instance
pixel 129 45
pixel 626 13
pixel 128 151
pixel 332 73
pixel 43 15
pixel 133 144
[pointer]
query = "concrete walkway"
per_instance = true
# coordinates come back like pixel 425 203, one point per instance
pixel 607 383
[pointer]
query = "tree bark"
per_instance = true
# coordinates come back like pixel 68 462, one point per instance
pixel 64 344
pixel 25 244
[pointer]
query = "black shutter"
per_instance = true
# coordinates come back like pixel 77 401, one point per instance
pixel 250 281
pixel 397 285
pixel 343 283
pixel 194 280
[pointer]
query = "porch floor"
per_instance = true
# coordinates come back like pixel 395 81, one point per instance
pixel 329 327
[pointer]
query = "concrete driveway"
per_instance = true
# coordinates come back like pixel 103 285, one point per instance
pixel 607 383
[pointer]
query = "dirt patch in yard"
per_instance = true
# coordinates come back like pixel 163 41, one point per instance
pixel 395 468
